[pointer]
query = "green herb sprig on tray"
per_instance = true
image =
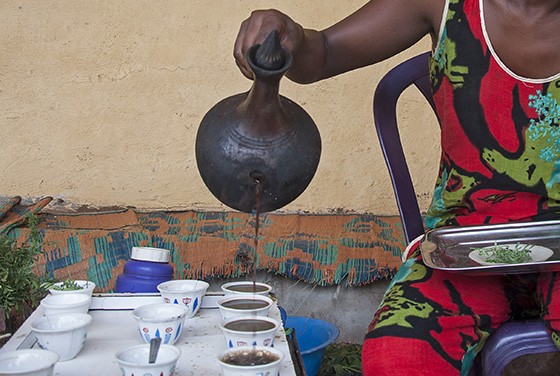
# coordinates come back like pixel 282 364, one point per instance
pixel 501 254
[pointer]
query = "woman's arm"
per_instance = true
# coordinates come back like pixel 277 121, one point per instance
pixel 378 30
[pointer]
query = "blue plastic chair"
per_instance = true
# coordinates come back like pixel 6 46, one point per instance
pixel 512 339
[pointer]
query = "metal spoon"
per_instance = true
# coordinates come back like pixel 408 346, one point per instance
pixel 154 348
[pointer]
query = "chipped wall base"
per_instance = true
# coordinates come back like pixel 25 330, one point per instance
pixel 350 249
pixel 319 249
pixel 324 250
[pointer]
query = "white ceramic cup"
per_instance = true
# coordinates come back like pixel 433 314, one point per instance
pixel 134 360
pixel 86 287
pixel 161 320
pixel 186 292
pixel 246 287
pixel 63 333
pixel 29 362
pixel 271 360
pixel 249 331
pixel 243 305
pixel 66 303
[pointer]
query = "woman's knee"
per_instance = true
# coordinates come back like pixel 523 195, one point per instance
pixel 396 356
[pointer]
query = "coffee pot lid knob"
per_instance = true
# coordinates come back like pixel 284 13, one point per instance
pixel 269 55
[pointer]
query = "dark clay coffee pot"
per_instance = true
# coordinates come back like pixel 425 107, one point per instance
pixel 259 141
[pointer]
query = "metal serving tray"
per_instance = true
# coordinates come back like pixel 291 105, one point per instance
pixel 451 248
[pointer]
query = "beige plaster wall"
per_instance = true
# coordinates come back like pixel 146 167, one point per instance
pixel 100 102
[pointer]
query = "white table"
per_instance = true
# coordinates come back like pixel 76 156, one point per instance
pixel 114 328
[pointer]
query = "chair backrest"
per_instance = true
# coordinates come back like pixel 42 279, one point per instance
pixel 414 71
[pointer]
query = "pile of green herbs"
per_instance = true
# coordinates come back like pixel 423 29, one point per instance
pixel 21 288
pixel 506 254
pixel 342 359
pixel 66 285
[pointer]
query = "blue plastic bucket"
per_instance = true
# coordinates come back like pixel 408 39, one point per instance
pixel 313 336
pixel 283 315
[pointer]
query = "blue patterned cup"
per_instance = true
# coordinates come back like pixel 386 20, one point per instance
pixel 185 292
pixel 134 360
pixel 160 320
pixel 250 361
pixel 250 331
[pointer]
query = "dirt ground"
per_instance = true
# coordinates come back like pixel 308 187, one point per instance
pixel 545 364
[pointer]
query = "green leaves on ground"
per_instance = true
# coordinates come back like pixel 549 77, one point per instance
pixel 342 359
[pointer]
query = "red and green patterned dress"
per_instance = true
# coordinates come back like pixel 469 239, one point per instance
pixel 500 162
pixel 500 133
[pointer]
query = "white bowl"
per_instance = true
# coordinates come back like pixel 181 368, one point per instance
pixel 30 362
pixel 160 320
pixel 86 287
pixel 187 292
pixel 134 360
pixel 272 367
pixel 66 303
pixel 243 305
pixel 246 287
pixel 250 331
pixel 63 333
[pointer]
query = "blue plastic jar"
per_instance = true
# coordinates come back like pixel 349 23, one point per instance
pixel 147 268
